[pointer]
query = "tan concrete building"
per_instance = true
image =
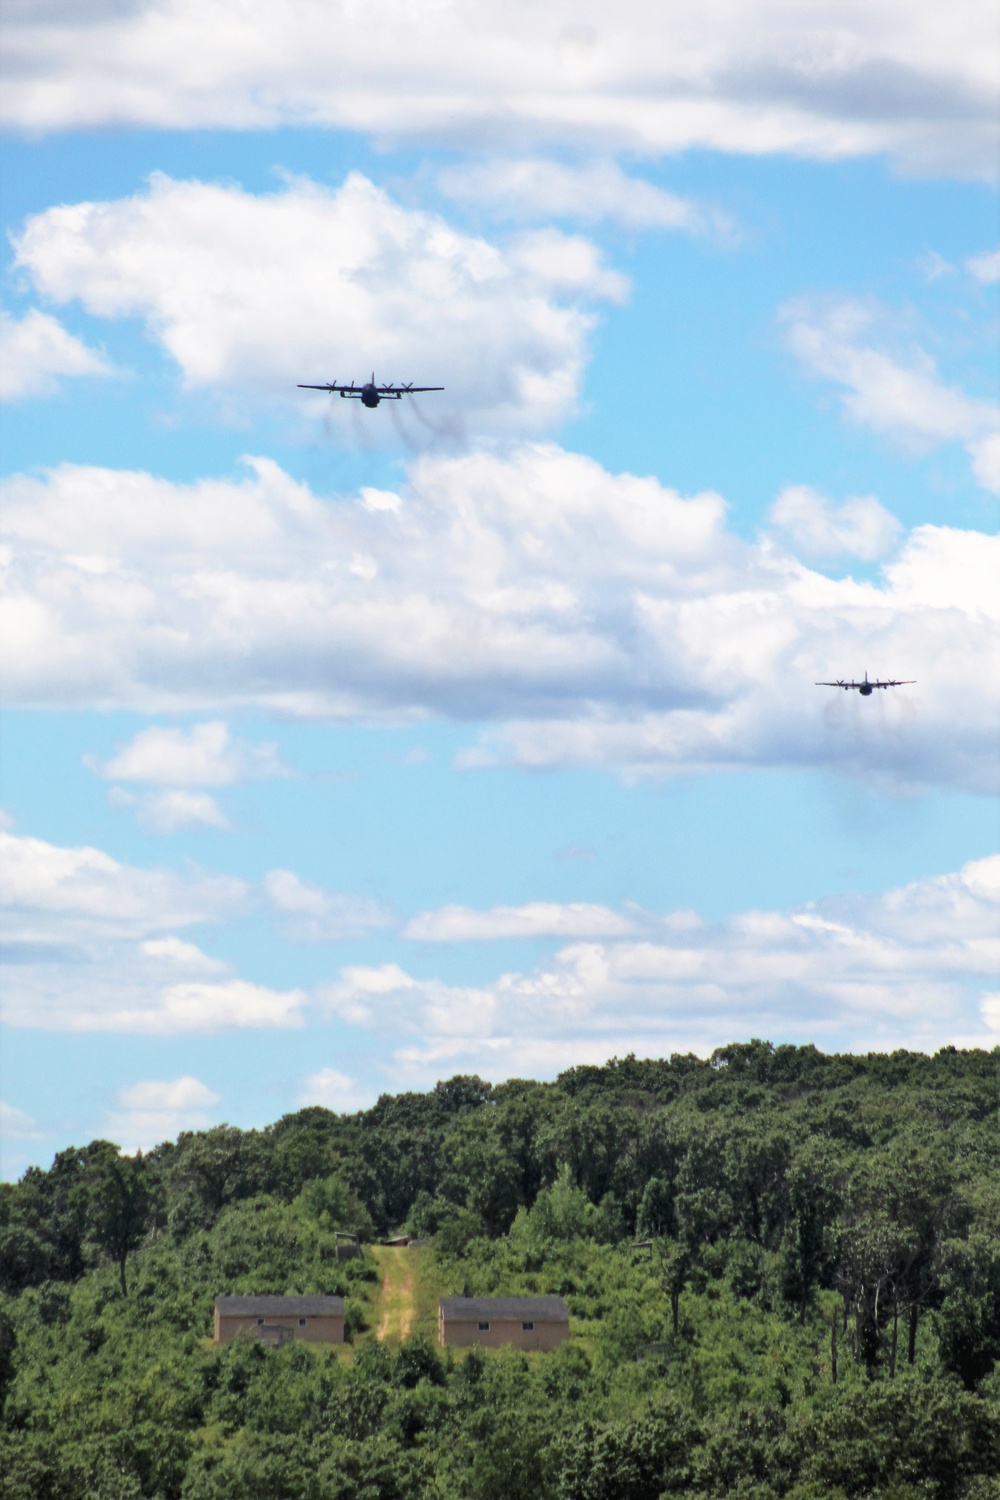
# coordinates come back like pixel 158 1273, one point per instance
pixel 279 1320
pixel 524 1322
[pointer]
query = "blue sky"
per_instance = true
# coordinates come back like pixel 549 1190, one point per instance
pixel 345 750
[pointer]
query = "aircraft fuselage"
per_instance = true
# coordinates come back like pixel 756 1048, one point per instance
pixel 866 688
pixel 369 395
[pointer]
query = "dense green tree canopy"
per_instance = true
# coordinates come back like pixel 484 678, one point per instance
pixel 783 1273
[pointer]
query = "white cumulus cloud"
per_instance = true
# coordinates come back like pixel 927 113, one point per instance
pixel 307 913
pixel 905 77
pixel 902 398
pixel 91 945
pixel 178 759
pixel 17 1128
pixel 985 456
pixel 535 188
pixel 462 924
pixel 859 527
pixel 17 1125
pixel 360 988
pixel 566 263
pixel 902 969
pixel 124 988
pixel 53 894
pixel 204 755
pixel 36 350
pixel 153 1110
pixel 985 267
pixel 257 292
pixel 170 811
pixel 336 1091
pixel 582 616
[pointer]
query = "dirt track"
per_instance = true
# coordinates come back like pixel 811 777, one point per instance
pixel 396 1301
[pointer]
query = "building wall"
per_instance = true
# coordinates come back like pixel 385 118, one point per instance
pixel 317 1330
pixel 462 1334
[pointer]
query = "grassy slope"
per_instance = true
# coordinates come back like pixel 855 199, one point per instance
pixel 405 1301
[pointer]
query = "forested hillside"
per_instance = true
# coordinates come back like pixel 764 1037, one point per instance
pixel 811 1242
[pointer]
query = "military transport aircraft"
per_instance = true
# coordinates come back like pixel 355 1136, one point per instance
pixel 866 688
pixel 371 394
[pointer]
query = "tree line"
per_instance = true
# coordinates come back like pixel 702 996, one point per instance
pixel 848 1207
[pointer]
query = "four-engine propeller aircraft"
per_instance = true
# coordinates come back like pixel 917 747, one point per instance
pixel 371 394
pixel 866 688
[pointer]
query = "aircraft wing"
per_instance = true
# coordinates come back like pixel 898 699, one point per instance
pixel 905 682
pixel 407 390
pixel 333 387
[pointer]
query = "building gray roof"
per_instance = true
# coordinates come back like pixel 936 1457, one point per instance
pixel 277 1307
pixel 505 1309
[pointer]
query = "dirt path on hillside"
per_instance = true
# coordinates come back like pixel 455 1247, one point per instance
pixel 406 1299
pixel 382 1331
pixel 397 1303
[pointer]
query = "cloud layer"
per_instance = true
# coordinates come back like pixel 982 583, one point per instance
pixel 905 969
pixel 900 397
pixel 837 79
pixel 305 913
pixel 584 616
pixel 158 1110
pixel 91 946
pixel 911 967
pixel 985 267
pixel 178 761
pixel 37 350
pixel 860 527
pixel 536 189
pixel 161 988
pixel 461 924
pixel 257 292
pixel 335 1090
pixel 204 755
pixel 17 1125
pixel 170 811
pixel 52 894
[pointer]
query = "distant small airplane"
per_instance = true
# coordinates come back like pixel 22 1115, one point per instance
pixel 371 394
pixel 866 688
